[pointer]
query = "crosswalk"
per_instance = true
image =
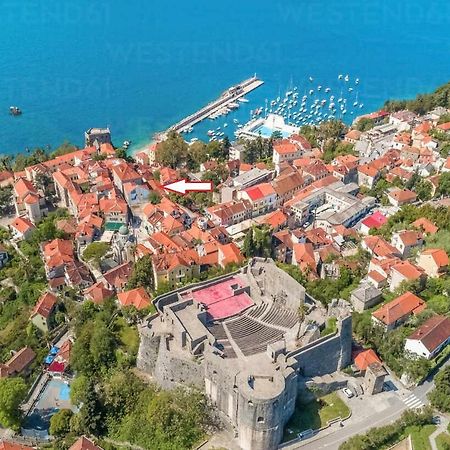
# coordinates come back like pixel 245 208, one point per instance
pixel 413 402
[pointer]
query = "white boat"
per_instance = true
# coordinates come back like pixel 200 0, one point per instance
pixel 235 121
pixel 243 100
pixel 311 79
pixel 340 77
pixel 346 78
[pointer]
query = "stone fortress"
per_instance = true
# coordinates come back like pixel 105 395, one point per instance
pixel 246 338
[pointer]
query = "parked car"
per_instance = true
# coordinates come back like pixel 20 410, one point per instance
pixel 348 392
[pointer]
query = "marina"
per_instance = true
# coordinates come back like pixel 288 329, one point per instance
pixel 222 106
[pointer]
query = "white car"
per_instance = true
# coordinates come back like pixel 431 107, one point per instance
pixel 347 392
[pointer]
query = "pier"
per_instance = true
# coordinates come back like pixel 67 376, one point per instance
pixel 230 96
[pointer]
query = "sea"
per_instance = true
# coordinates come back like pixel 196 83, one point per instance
pixel 141 65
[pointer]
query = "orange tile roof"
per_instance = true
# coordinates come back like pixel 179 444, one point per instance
pixel 368 170
pixel 365 358
pixel 439 256
pixel 304 256
pixel 9 445
pixel 285 148
pixel 83 443
pixel 403 195
pixel 230 254
pixel 98 293
pixel 408 270
pixel 136 297
pixel 45 305
pixel 426 225
pixel 402 306
pixel 22 224
pixel 433 333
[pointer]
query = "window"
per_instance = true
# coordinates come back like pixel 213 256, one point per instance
pixel 260 419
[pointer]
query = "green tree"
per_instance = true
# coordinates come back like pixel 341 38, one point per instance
pixel 444 184
pixel 154 197
pixel 423 190
pixel 418 368
pixel 95 252
pixel 440 395
pixel 172 151
pixel 258 242
pixel 365 124
pixel 142 274
pixel 5 198
pixel 60 422
pixel 64 148
pixel 91 414
pixel 12 392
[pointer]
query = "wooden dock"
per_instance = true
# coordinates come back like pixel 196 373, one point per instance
pixel 229 96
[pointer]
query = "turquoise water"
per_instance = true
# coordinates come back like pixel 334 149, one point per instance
pixel 139 66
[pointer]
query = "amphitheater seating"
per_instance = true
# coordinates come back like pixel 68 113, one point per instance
pixel 218 331
pixel 251 336
pixel 280 316
pixel 258 311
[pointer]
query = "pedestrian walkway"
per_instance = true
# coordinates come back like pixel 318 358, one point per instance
pixel 442 428
pixel 413 402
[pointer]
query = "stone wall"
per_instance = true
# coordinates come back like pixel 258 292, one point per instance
pixel 328 354
pixel 173 369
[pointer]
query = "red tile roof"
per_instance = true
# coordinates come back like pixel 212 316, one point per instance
pixel 402 306
pixel 9 445
pixel 136 297
pixel 83 443
pixel 365 358
pixel 439 256
pixel 426 225
pixel 433 332
pixel 45 305
pixel 260 191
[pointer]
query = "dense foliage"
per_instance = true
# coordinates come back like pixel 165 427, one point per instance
pixel 12 392
pixel 388 435
pixel 258 242
pixel 113 401
pixel 423 102
pixel 440 395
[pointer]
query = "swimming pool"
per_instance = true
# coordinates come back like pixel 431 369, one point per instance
pixel 55 396
pixel 267 132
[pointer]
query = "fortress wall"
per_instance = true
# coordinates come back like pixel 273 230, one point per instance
pixel 261 421
pixel 277 281
pixel 328 355
pixel 148 351
pixel 172 369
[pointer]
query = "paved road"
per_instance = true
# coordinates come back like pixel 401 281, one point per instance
pixel 393 407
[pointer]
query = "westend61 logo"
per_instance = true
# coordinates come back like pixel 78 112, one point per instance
pixel 161 53
pixel 69 88
pixel 42 12
pixel 302 12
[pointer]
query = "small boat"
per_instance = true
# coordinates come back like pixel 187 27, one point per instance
pixel 235 121
pixel 311 92
pixel 15 111
pixel 340 77
pixel 225 125
pixel 346 78
pixel 357 81
pixel 327 90
pixel 126 144
pixel 242 100
pixel 210 133
pixel 311 79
